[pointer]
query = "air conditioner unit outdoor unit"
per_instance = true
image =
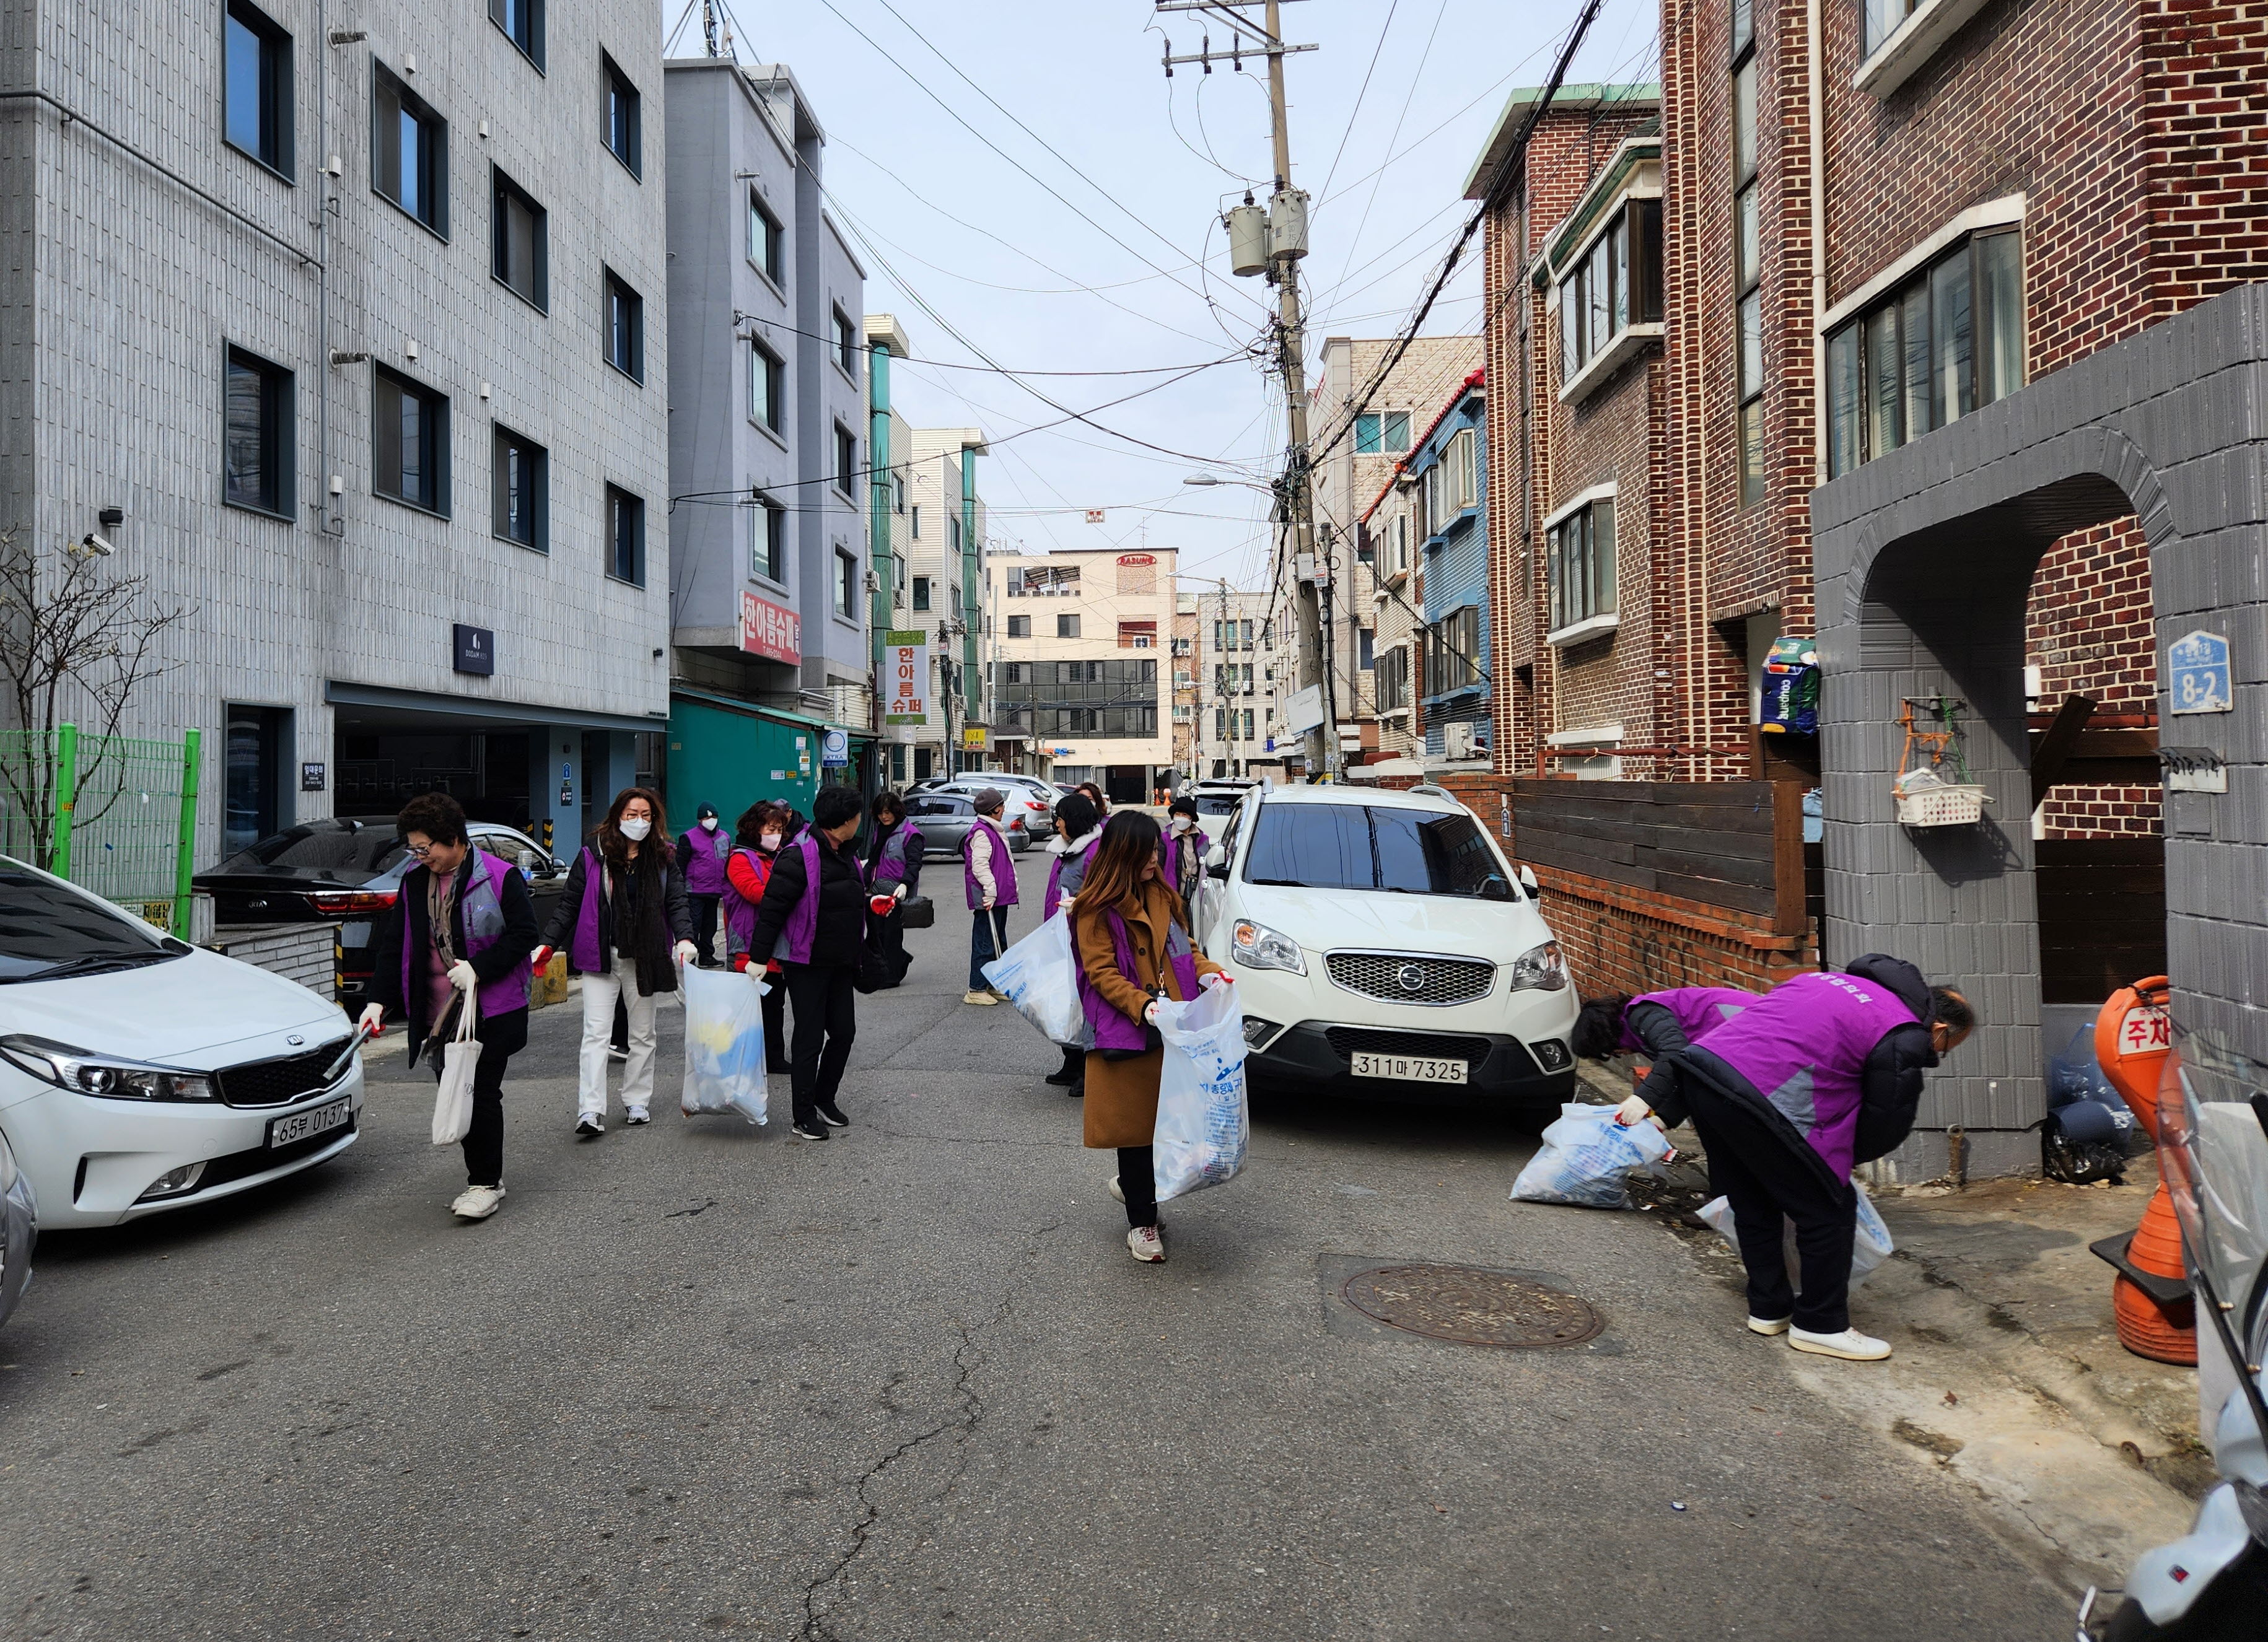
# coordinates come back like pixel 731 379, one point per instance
pixel 1457 740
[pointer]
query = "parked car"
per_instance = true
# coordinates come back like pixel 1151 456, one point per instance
pixel 19 1230
pixel 945 819
pixel 1029 812
pixel 139 1074
pixel 1384 947
pixel 1218 799
pixel 347 870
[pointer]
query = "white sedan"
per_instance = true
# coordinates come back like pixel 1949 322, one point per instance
pixel 139 1074
pixel 1382 946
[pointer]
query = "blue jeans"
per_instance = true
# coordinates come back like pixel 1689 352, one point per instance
pixel 988 938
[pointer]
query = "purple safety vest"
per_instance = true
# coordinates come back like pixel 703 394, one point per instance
pixel 890 866
pixel 1700 1010
pixel 705 855
pixel 795 936
pixel 739 911
pixel 1004 869
pixel 1073 868
pixel 1183 854
pixel 1802 1047
pixel 483 907
pixel 1112 1029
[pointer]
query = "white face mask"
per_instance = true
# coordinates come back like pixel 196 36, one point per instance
pixel 1181 823
pixel 636 828
pixel 769 841
pixel 709 823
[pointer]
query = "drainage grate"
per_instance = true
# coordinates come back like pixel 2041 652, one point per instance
pixel 1471 1306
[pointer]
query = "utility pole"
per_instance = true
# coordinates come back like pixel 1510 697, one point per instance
pixel 1273 241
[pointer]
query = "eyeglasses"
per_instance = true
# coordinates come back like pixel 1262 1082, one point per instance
pixel 421 850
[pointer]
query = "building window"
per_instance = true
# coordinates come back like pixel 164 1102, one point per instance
pixel 921 593
pixel 1138 636
pixel 625 537
pixel 409 153
pixel 1748 275
pixel 522 22
pixel 256 87
pixel 1615 284
pixel 767 245
pixel 846 344
pixel 256 446
pixel 953 532
pixel 1879 20
pixel 519 230
pixel 1066 627
pixel 520 474
pixel 1949 340
pixel 897 581
pixel 1453 649
pixel 1365 649
pixel 846 583
pixel 409 442
pixel 625 328
pixel 1580 564
pixel 915 513
pixel 767 389
pixel 1393 680
pixel 897 493
pixel 1381 433
pixel 846 460
pixel 1019 627
pixel 624 114
pixel 768 542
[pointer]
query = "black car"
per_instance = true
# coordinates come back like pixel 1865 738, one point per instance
pixel 347 871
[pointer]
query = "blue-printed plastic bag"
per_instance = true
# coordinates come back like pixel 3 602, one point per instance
pixel 1203 1120
pixel 1587 1157
pixel 724 1043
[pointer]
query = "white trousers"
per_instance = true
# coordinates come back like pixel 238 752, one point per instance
pixel 598 994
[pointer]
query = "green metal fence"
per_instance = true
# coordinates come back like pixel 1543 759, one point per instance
pixel 116 814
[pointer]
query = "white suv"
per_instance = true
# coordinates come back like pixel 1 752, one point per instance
pixel 1382 944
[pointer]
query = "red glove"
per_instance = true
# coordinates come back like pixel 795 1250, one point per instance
pixel 540 958
pixel 881 906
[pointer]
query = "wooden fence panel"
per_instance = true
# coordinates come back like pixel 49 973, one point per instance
pixel 1736 846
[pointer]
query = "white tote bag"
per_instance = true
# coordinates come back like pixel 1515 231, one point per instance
pixel 1203 1122
pixel 453 1106
pixel 1039 974
pixel 725 1056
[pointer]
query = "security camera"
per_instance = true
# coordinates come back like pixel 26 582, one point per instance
pixel 98 546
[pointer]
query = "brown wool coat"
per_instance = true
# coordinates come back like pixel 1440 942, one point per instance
pixel 1121 1095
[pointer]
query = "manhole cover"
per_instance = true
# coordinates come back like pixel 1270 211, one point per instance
pixel 1471 1306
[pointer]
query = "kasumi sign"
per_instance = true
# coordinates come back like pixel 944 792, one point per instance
pixel 770 631
pixel 905 673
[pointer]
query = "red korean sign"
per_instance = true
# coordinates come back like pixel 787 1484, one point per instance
pixel 770 631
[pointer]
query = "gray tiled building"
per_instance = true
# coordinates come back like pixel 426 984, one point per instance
pixel 363 334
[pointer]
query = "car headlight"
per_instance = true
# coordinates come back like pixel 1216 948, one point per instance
pixel 1256 946
pixel 112 1079
pixel 1539 969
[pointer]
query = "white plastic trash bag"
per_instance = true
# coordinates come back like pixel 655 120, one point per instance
pixel 1202 1120
pixel 461 1057
pixel 1587 1157
pixel 1868 1249
pixel 725 1058
pixel 1039 974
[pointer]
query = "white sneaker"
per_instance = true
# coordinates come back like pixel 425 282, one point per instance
pixel 1147 1245
pixel 1117 1192
pixel 987 998
pixel 636 1115
pixel 1765 1325
pixel 1850 1345
pixel 477 1202
pixel 590 1126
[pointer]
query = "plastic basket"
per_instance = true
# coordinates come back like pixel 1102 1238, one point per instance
pixel 1942 806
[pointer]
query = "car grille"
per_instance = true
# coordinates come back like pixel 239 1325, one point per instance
pixel 277 1082
pixel 1350 1040
pixel 258 1160
pixel 1385 975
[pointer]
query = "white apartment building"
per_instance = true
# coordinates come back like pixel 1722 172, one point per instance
pixel 1239 673
pixel 945 598
pixel 1082 664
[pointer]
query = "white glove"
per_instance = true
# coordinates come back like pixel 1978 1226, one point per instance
pixel 899 894
pixel 1633 1110
pixel 461 975
pixel 373 1019
pixel 686 952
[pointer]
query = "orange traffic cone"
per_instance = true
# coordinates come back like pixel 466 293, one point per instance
pixel 2133 1037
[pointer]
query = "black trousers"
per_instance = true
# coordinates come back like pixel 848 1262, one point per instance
pixel 775 1059
pixel 1137 1183
pixel 705 928
pixel 1764 1177
pixel 826 1022
pixel 888 937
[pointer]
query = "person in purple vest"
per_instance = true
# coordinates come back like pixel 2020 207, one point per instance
pixel 462 921
pixel 1079 834
pixel 812 918
pixel 989 874
pixel 757 838
pixel 1186 844
pixel 1131 938
pixel 702 854
pixel 893 863
pixel 623 920
pixel 1656 1026
pixel 1820 1074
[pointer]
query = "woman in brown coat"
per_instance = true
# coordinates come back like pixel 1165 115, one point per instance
pixel 1134 949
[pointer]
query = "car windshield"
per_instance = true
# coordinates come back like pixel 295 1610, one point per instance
pixel 48 930
pixel 338 846
pixel 1354 846
pixel 1218 803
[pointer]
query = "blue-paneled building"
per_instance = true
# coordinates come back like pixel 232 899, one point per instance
pixel 1450 467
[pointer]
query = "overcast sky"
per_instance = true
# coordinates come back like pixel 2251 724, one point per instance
pixel 1126 271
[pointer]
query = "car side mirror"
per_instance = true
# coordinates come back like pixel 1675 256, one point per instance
pixel 1527 882
pixel 1216 855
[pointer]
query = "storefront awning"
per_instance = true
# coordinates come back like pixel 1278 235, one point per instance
pixel 433 705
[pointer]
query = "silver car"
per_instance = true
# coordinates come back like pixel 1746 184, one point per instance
pixel 19 1230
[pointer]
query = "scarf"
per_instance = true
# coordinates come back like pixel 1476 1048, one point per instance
pixel 635 897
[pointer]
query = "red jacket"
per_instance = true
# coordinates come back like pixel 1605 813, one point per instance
pixel 749 876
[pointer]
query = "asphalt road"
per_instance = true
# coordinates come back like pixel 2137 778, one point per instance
pixel 701 1379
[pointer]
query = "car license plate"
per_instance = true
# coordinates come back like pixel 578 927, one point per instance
pixel 1409 1067
pixel 318 1119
